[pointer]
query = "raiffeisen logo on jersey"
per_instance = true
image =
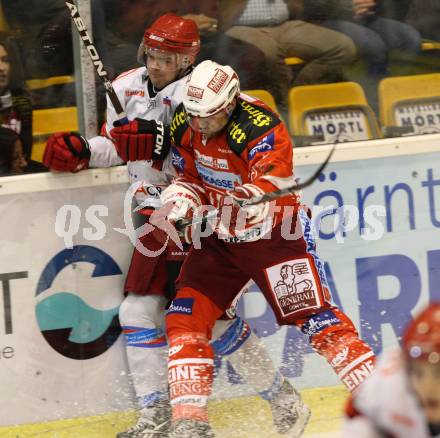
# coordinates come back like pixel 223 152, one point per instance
pixel 216 163
pixel 219 179
pixel 69 319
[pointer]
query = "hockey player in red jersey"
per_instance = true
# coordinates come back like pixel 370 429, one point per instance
pixel 149 95
pixel 230 148
pixel 402 398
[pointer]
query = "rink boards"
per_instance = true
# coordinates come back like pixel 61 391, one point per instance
pixel 64 254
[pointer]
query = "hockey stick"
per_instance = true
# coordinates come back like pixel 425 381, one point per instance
pixel 182 224
pixel 99 66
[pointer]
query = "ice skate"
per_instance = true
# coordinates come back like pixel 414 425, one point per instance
pixel 191 429
pixel 290 415
pixel 154 422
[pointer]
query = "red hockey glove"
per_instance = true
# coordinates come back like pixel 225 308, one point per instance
pixel 142 140
pixel 66 152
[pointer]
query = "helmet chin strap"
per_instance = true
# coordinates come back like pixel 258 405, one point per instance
pixel 231 107
pixel 186 65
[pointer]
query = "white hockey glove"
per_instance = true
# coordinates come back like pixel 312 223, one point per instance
pixel 236 201
pixel 180 202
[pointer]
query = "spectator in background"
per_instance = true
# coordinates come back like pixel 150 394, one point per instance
pixel 247 59
pixel 424 15
pixel 276 27
pixel 15 105
pixel 374 35
pixel 43 30
pixel 402 397
pixel 12 158
pixel 126 21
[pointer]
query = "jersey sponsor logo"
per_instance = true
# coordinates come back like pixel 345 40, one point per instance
pixel 225 151
pixel 218 81
pixel 177 160
pixel 179 120
pixel 265 145
pixel 195 92
pixel 404 420
pixel 187 393
pixel 149 190
pixel 236 133
pixel 190 380
pixel 129 93
pixel 151 104
pixel 175 349
pixel 166 101
pixel 311 246
pixel 218 179
pixel 319 322
pixel 184 372
pixel 357 375
pixel 181 305
pixel 258 117
pixel 294 286
pixel 216 163
pixel 340 357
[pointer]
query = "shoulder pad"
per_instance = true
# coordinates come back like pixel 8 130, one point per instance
pixel 249 121
pixel 179 124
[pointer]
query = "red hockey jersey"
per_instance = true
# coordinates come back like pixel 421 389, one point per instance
pixel 254 147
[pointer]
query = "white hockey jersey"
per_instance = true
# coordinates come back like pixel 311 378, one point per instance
pixel 385 404
pixel 132 91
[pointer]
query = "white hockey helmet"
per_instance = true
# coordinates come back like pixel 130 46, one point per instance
pixel 210 89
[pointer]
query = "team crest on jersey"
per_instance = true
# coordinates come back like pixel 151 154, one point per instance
pixel 218 81
pixel 294 286
pixel 151 104
pixel 266 144
pixel 177 160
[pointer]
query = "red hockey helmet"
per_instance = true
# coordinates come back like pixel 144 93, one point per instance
pixel 172 33
pixel 421 339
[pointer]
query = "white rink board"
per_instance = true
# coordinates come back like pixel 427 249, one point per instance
pixel 378 282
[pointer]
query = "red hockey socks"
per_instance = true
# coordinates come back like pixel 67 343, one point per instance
pixel 190 376
pixel 350 357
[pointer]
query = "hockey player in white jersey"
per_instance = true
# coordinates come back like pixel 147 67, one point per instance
pixel 149 96
pixel 401 399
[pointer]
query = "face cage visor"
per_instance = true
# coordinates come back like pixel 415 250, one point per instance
pixel 164 60
pixel 194 120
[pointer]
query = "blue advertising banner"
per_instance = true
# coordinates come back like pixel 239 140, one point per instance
pixel 377 223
